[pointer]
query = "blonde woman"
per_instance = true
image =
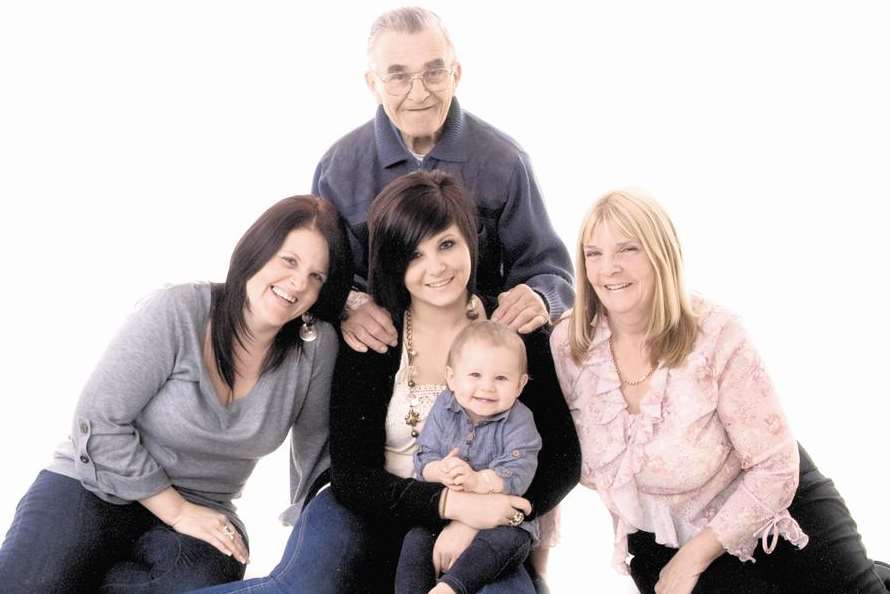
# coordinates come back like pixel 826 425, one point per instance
pixel 681 432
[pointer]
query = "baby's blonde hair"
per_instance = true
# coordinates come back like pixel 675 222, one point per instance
pixel 492 333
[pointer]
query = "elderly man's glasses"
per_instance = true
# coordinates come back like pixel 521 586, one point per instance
pixel 400 83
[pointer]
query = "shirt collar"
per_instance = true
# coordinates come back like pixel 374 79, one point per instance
pixel 391 147
pixel 454 406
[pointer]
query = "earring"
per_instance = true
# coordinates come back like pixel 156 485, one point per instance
pixel 307 330
pixel 472 314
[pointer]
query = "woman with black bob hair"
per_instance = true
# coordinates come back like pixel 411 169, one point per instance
pixel 423 244
pixel 200 382
pixel 410 209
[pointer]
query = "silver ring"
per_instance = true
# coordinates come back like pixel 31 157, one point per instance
pixel 516 519
pixel 229 531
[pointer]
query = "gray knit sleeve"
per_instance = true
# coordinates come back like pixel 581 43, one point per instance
pixel 109 458
pixel 309 456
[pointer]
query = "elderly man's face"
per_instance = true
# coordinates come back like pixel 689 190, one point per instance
pixel 419 113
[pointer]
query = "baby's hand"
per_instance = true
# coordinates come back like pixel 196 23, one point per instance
pixel 483 482
pixel 442 588
pixel 470 481
pixel 454 470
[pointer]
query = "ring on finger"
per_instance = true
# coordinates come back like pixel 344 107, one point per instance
pixel 229 531
pixel 516 519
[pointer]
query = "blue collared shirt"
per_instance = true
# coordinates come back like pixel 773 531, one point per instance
pixel 517 242
pixel 507 443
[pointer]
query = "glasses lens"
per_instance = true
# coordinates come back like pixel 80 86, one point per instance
pixel 397 84
pixel 400 83
pixel 435 78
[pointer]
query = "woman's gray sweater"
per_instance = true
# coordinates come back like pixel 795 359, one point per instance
pixel 149 417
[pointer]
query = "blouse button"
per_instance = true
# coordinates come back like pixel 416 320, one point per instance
pixel 84 459
pixel 516 454
pixel 83 428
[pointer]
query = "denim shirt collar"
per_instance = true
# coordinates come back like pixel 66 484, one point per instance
pixel 391 147
pixel 454 406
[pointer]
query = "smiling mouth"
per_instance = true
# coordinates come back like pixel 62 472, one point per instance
pixel 617 287
pixel 439 284
pixel 290 299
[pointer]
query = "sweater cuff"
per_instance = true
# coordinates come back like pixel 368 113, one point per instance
pixel 550 293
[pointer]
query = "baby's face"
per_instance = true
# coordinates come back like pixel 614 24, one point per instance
pixel 485 379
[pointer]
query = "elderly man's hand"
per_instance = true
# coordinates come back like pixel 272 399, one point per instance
pixel 368 326
pixel 521 309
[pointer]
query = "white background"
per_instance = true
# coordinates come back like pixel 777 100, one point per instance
pixel 139 140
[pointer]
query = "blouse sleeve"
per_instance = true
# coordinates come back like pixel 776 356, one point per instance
pixel 755 424
pixel 564 367
pixel 360 394
pixel 309 456
pixel 559 460
pixel 109 458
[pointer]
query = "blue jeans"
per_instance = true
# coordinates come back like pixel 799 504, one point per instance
pixel 332 550
pixel 833 562
pixel 491 553
pixel 65 539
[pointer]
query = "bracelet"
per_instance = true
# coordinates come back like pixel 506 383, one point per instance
pixel 443 503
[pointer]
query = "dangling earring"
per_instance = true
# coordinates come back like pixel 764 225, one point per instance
pixel 307 330
pixel 472 314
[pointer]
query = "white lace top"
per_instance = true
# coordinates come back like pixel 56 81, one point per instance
pixel 400 446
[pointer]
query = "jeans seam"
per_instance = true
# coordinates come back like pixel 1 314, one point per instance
pixel 293 557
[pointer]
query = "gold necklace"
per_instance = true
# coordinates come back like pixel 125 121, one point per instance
pixel 621 378
pixel 413 416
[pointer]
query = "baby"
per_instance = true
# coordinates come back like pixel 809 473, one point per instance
pixel 477 438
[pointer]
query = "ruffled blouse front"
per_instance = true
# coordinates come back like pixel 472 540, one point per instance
pixel 709 447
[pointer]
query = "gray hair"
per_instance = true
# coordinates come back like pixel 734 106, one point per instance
pixel 408 19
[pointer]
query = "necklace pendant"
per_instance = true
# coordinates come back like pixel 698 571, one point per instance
pixel 411 419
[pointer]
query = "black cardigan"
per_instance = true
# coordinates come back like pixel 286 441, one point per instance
pixel 360 393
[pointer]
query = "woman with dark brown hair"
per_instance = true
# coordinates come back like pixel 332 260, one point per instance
pixel 423 243
pixel 200 382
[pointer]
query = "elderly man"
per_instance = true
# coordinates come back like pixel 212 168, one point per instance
pixel 413 73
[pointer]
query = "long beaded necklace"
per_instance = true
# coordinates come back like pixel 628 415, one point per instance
pixel 413 416
pixel 621 377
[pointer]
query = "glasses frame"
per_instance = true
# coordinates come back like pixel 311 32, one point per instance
pixel 385 79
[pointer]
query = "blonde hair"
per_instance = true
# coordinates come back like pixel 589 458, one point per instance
pixel 672 322
pixel 492 333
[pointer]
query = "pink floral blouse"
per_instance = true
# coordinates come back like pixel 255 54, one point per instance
pixel 709 447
